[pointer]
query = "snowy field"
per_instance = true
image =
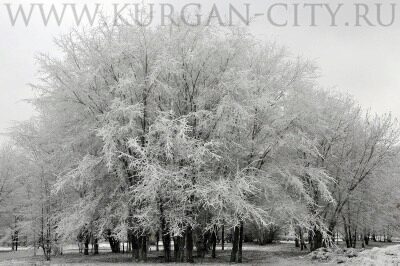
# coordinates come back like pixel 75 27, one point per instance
pixel 275 254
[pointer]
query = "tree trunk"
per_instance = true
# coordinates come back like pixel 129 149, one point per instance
pixel 350 237
pixel 176 248
pixel 214 242
pixel 297 237
pixel 96 246
pixel 302 242
pixel 16 240
pixel 355 238
pixel 34 243
pixel 200 244
pixel 362 241
pixel 129 248
pixel 315 239
pixel 346 234
pixel 179 248
pixel 389 238
pixel 86 250
pixel 181 255
pixel 223 237
pixel 14 236
pixel 135 247
pixel 235 242
pixel 166 238
pixel 143 248
pixel 189 244
pixel 331 231
pixel 241 235
pixel 205 247
pixel 366 239
pixel 165 235
pixel 114 244
pixel 296 242
pixel 157 240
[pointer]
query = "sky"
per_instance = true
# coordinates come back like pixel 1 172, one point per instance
pixel 362 61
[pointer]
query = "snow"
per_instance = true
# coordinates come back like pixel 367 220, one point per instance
pixel 389 255
pixel 377 256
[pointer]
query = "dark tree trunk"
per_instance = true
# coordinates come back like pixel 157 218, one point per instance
pixel 235 242
pixel 167 247
pixel 241 235
pixel 86 250
pixel 200 245
pixel 350 237
pixel 347 241
pixel 135 247
pixel 189 244
pixel 362 241
pixel 331 232
pixel 177 247
pixel 181 255
pixel 143 248
pixel 157 240
pixel 165 235
pixel 355 239
pixel 296 242
pixel 346 234
pixel 315 239
pixel 166 238
pixel 96 246
pixel 206 238
pixel 16 240
pixel 366 239
pixel 214 242
pixel 128 247
pixel 223 237
pixel 115 245
pixel 14 236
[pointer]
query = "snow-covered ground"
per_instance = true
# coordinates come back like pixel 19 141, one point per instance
pixel 9 248
pixel 274 254
pixel 377 256
pixel 389 255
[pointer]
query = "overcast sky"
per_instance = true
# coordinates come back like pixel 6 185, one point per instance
pixel 362 61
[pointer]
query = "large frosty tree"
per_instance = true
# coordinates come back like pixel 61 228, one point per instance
pixel 184 130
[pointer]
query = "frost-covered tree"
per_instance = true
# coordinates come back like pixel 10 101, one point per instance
pixel 185 130
pixel 354 148
pixel 11 194
pixel 199 113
